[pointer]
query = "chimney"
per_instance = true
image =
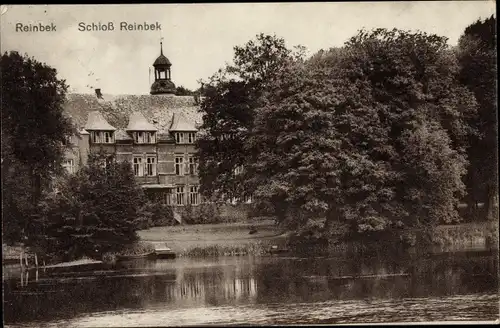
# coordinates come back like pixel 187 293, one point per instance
pixel 98 93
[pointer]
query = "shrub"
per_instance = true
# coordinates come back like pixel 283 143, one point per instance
pixel 138 248
pixel 310 235
pixel 202 214
pixel 96 211
pixel 155 214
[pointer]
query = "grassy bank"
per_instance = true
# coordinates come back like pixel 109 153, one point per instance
pixel 218 239
pixel 225 239
pixel 234 238
pixel 468 235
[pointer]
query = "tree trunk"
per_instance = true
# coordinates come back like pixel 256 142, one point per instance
pixel 331 216
pixel 36 183
pixel 492 204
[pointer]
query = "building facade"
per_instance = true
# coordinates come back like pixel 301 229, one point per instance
pixel 155 133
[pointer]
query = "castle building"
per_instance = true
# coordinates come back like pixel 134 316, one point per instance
pixel 155 133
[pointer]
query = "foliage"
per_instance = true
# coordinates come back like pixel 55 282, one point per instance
pixel 373 138
pixel 254 248
pixel 460 236
pixel 138 248
pixel 231 95
pixel 477 55
pixel 156 214
pixel 182 91
pixel 205 213
pixel 34 131
pixel 94 211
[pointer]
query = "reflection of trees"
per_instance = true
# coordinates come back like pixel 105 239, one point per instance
pixel 454 274
pixel 271 281
pixel 375 277
pixel 214 286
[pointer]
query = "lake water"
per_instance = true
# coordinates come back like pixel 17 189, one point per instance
pixel 258 290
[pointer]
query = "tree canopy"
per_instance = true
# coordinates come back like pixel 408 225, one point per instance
pixel 477 55
pixel 34 131
pixel 371 136
pixel 94 211
pixel 231 95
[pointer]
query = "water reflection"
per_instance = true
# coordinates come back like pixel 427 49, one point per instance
pixel 268 286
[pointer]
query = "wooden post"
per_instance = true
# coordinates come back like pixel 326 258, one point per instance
pixel 36 260
pixel 26 259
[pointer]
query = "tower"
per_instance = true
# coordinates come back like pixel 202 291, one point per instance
pixel 163 81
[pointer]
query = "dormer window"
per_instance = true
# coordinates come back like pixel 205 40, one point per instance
pixel 179 137
pixel 108 137
pixel 185 137
pixel 102 137
pixel 142 137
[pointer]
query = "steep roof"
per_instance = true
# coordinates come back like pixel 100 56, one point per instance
pixel 95 121
pixel 137 122
pixel 179 123
pixel 162 60
pixel 157 109
pixel 122 135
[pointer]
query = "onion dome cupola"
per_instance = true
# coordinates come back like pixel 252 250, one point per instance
pixel 163 80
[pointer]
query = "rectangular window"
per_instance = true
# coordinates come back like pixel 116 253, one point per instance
pixel 102 137
pixel 96 137
pixel 145 137
pixel 193 165
pixel 151 166
pixel 69 166
pixel 179 137
pixel 191 137
pixel 238 170
pixel 108 137
pixel 139 137
pixel 150 137
pixel 179 196
pixel 193 195
pixel 138 169
pixel 67 141
pixel 167 197
pixel 179 167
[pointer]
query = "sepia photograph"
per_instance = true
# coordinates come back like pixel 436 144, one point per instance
pixel 223 164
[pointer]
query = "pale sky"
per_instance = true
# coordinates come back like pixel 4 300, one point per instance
pixel 199 38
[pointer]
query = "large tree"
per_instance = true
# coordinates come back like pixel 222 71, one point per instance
pixel 231 95
pixel 34 131
pixel 370 136
pixel 477 54
pixel 98 208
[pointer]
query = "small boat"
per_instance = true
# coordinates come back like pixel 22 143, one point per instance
pixel 277 250
pixel 163 252
pixel 135 256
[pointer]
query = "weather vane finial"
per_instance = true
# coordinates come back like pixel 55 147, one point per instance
pixel 161 45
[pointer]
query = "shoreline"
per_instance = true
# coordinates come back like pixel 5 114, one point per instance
pixel 234 239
